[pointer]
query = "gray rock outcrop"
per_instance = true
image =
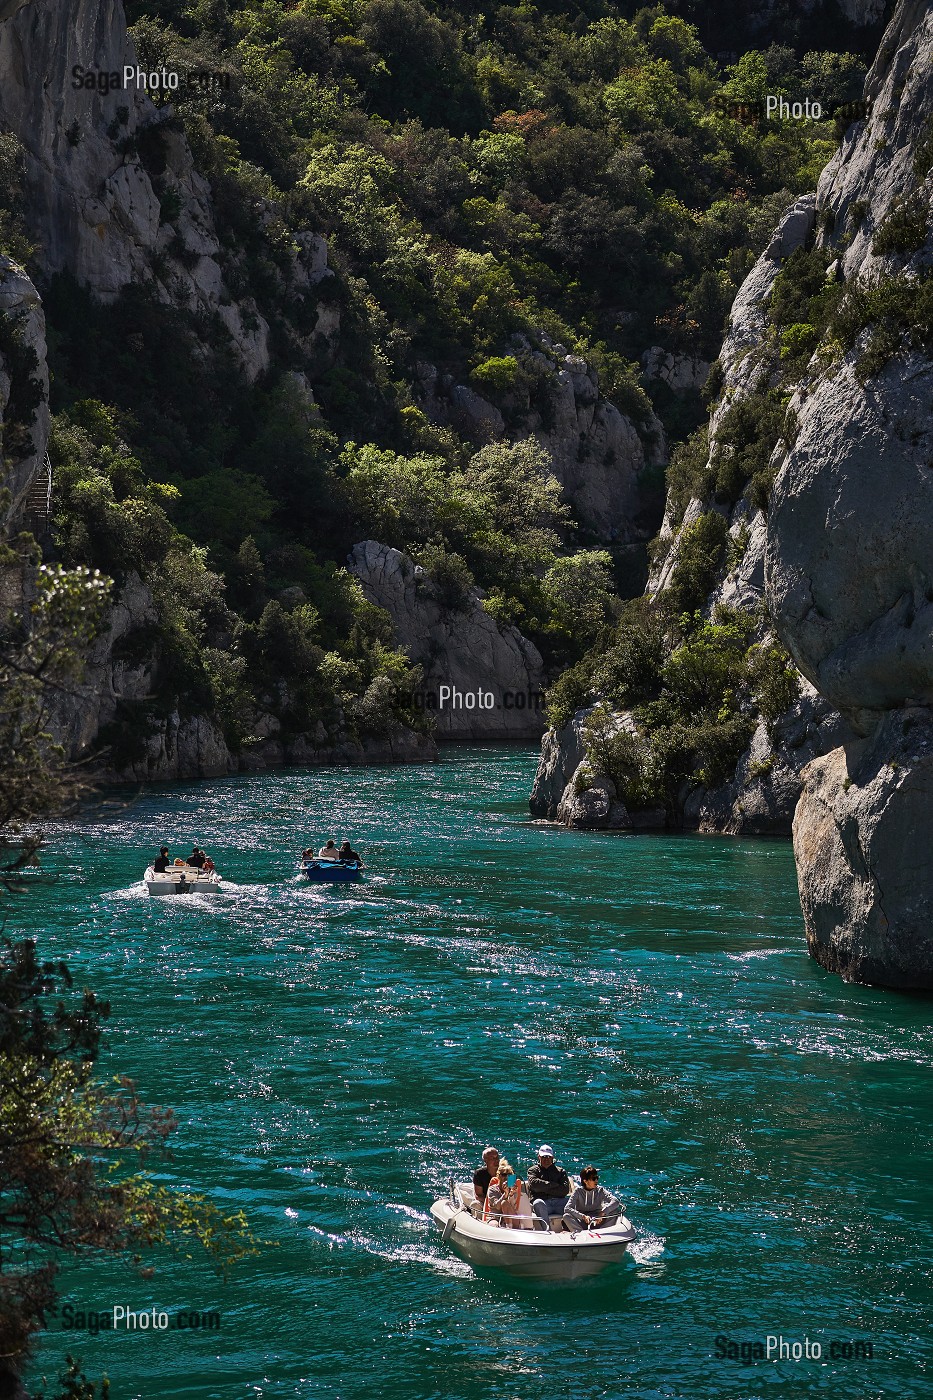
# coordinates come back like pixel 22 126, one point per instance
pixel 562 752
pixel 155 741
pixel 842 555
pixel 24 385
pixel 742 370
pixel 482 680
pixel 761 797
pixel 678 372
pixel 597 453
pixel 849 557
pixel 596 807
pixel 94 207
pixel 849 566
pixel 863 841
pixel 121 675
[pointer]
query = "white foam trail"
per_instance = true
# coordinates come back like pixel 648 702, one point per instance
pixel 648 1249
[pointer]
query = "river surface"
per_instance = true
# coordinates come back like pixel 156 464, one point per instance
pixel 333 1054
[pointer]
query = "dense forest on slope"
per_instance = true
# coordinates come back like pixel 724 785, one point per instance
pixel 490 184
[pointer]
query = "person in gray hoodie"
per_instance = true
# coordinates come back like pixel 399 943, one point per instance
pixel 591 1205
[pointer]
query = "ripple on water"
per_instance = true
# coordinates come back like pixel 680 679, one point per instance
pixel 335 1054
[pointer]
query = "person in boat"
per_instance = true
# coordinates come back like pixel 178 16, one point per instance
pixel 162 861
pixel 309 853
pixel 347 853
pixel 590 1204
pixel 329 852
pixel 208 868
pixel 548 1186
pixel 484 1174
pixel 502 1200
pixel 197 857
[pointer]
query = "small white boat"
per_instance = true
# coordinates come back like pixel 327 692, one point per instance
pixel 527 1252
pixel 182 879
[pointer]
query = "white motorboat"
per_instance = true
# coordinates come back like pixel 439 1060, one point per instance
pixel 526 1252
pixel 182 879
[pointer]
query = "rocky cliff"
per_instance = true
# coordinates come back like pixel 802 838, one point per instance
pixel 114 200
pixel 601 458
pixel 121 675
pixel 24 386
pixel 112 193
pixel 481 680
pixel 850 538
pixel 761 796
pixel 119 688
pixel 818 467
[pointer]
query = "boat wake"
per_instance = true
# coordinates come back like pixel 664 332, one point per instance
pixel 357 1240
pixel 132 892
pixel 647 1249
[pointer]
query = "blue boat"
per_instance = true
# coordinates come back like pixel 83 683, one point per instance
pixel 320 871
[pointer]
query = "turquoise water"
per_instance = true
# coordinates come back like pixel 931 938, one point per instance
pixel 333 1054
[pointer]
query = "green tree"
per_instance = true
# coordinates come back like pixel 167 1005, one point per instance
pixel 43 640
pixel 71 1148
pixel 579 589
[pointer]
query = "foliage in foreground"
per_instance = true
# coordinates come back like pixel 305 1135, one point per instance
pixel 71 1152
pixel 72 1147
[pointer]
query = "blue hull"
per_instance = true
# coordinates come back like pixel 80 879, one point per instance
pixel 325 873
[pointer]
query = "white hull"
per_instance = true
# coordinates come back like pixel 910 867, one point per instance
pixel 182 880
pixel 526 1252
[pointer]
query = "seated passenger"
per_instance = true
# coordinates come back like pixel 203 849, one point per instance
pixel 208 867
pixel 309 853
pixel 162 861
pixel 503 1200
pixel 484 1174
pixel 347 853
pixel 196 857
pixel 548 1186
pixel 591 1205
pixel 329 852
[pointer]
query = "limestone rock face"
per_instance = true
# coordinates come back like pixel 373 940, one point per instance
pixel 594 808
pixel 121 679
pixel 93 202
pixel 678 372
pixel 496 672
pixel 762 797
pixel 597 453
pixel 864 847
pixel 23 368
pixel 759 800
pixel 741 371
pixel 562 752
pixel 849 559
pixel 849 563
pixel 874 166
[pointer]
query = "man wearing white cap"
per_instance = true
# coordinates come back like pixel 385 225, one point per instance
pixel 548 1186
